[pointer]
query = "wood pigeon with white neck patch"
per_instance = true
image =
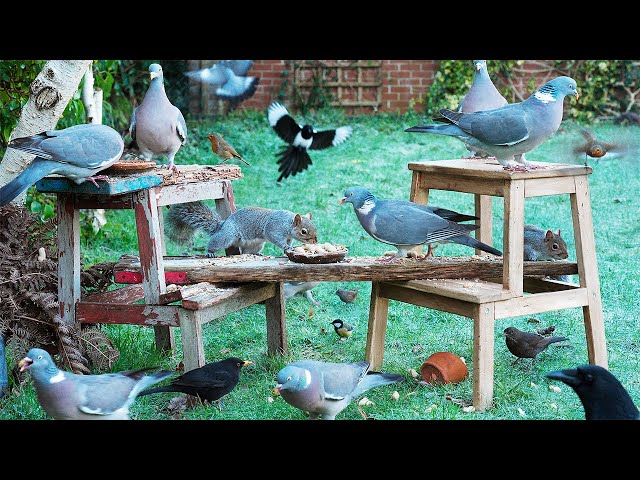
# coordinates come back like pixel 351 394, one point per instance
pixel 508 132
pixel 324 389
pixel 157 126
pixel 406 225
pixel 69 396
pixel 300 138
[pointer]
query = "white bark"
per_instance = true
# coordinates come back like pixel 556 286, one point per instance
pixel 91 98
pixel 50 93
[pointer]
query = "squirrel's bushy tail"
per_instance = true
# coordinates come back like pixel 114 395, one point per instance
pixel 184 219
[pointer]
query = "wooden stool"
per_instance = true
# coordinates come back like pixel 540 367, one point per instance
pixel 512 295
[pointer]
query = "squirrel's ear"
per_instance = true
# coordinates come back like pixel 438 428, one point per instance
pixel 549 235
pixel 296 220
pixel 308 215
pixel 558 232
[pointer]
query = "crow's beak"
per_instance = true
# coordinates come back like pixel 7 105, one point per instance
pixel 569 376
pixel 247 363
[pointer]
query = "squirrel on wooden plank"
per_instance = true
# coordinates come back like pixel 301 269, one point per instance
pixel 541 245
pixel 247 229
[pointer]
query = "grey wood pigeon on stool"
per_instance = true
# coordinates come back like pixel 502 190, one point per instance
pixel 77 152
pixel 508 132
pixel 157 126
pixel 406 225
pixel 68 396
pixel 324 389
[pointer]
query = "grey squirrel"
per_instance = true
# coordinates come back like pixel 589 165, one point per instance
pixel 247 228
pixel 294 288
pixel 541 244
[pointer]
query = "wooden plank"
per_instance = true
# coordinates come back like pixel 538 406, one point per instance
pixel 128 294
pixel 69 291
pixel 149 246
pixel 588 272
pixel 116 202
pixel 254 268
pixel 233 297
pixel 192 339
pixel 475 291
pixel 423 299
pixel 199 174
pixel 541 302
pixel 483 355
pixel 276 321
pixel 188 192
pixel 465 184
pixel 140 314
pixel 115 185
pixel 540 284
pixel 377 327
pixel 549 186
pixel 513 245
pixel 484 210
pixel 490 168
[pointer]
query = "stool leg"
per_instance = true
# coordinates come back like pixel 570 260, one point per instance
pixel 165 337
pixel 192 339
pixel 68 258
pixel 225 206
pixel 588 272
pixel 419 194
pixel 483 349
pixel 513 244
pixel 484 210
pixel 276 322
pixel 377 328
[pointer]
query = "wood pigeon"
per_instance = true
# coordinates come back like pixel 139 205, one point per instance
pixel 68 396
pixel 209 382
pixel 324 389
pixel 405 225
pixel 300 138
pixel 508 132
pixel 294 288
pixel 157 126
pixel 239 67
pixel 77 152
pixel 601 393
pixel 231 85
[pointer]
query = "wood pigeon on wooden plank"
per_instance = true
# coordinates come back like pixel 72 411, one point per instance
pixel 157 126
pixel 406 225
pixel 324 389
pixel 508 132
pixel 77 152
pixel 68 396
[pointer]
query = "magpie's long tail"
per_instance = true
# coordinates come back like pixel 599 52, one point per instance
pixel 292 160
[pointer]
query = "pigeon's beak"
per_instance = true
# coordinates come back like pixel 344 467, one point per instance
pixel 342 200
pixel 478 66
pixel 25 363
pixel 577 95
pixel 152 75
pixel 276 391
pixel 247 363
pixel 569 376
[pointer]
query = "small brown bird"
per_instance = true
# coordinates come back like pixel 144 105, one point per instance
pixel 220 147
pixel 594 148
pixel 344 330
pixel 527 345
pixel 347 296
pixel 546 331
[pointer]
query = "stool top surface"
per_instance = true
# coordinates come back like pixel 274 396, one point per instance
pixel 126 181
pixel 490 168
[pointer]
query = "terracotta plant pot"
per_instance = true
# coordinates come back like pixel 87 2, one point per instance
pixel 443 367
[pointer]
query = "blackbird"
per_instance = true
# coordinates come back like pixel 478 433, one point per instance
pixel 527 345
pixel 220 147
pixel 209 382
pixel 344 330
pixel 601 393
pixel 347 296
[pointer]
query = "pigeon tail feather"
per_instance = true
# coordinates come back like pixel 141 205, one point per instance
pixel 36 170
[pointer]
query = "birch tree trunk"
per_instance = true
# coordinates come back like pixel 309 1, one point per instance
pixel 50 93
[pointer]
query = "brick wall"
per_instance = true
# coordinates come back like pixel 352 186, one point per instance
pixel 404 85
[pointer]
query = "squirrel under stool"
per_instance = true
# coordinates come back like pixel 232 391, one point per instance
pixel 247 228
pixel 541 244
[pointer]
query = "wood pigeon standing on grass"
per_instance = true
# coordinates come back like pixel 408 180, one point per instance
pixel 508 132
pixel 300 138
pixel 77 152
pixel 157 126
pixel 324 389
pixel 68 396
pixel 406 225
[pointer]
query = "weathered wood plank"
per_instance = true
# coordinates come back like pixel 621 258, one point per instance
pixel 253 268
pixel 483 353
pixel 235 297
pixel 377 327
pixel 149 246
pixel 436 302
pixel 549 186
pixel 115 185
pixel 513 244
pixel 476 290
pixel 541 302
pixel 490 168
pixel 188 192
pixel 276 321
pixel 129 294
pixel 484 210
pixel 153 315
pixel 68 258
pixel 192 339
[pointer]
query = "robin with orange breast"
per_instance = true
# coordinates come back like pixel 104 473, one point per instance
pixel 220 147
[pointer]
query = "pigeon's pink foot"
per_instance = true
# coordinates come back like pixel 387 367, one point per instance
pixel 93 179
pixel 171 166
pixel 516 168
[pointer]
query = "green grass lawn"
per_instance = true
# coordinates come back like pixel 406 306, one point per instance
pixel 376 156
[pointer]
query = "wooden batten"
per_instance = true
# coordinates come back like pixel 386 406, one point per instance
pixel 541 302
pixel 152 315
